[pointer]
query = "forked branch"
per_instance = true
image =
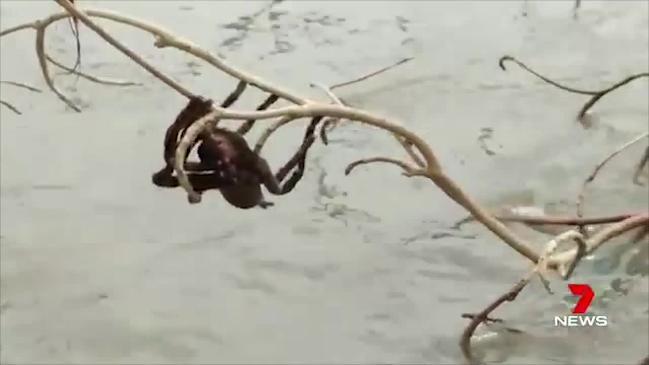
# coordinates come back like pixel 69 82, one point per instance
pixel 591 177
pixel 595 95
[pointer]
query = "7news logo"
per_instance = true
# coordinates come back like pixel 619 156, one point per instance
pixel 579 317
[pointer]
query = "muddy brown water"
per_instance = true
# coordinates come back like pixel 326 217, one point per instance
pixel 99 266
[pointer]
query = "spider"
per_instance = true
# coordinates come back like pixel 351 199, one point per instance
pixel 226 161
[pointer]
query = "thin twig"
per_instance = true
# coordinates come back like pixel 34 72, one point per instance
pixel 331 123
pixel 40 52
pixel 487 319
pixel 598 239
pixel 509 296
pixel 595 94
pixel 507 58
pixel 328 91
pixel 122 48
pixel 89 77
pixel 551 220
pixel 17 28
pixel 407 169
pixel 493 320
pixel 10 106
pixel 564 221
pixel 591 177
pixel 644 161
pixel 584 109
pixel 22 85
pixel 74 26
pixel 377 72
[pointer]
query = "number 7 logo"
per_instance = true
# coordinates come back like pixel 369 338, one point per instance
pixel 586 294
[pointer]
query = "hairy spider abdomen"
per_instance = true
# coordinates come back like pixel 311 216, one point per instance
pixel 243 196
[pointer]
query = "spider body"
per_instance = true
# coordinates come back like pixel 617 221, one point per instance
pixel 227 163
pixel 240 170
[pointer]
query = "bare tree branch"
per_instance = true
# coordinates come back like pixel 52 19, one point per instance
pixel 374 73
pixel 644 161
pixel 11 107
pixel 605 234
pixel 595 94
pixel 591 177
pixel 407 169
pixel 22 85
pixel 89 77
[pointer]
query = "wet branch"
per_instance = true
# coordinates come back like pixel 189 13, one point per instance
pixel 644 161
pixel 539 269
pixel 595 95
pixel 10 107
pixel 591 177
pixel 483 316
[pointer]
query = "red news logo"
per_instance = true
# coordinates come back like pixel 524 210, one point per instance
pixel 579 318
pixel 586 294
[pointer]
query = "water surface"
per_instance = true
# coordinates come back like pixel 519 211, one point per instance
pixel 99 266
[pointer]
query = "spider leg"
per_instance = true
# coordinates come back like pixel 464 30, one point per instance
pixel 263 204
pixel 165 178
pixel 234 96
pixel 245 127
pixel 310 130
pixel 201 180
pixel 299 157
pixel 196 108
pixel 299 172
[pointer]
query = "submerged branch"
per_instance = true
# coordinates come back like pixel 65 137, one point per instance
pixel 595 94
pixel 591 177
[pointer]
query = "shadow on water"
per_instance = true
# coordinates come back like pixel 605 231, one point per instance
pixel 99 266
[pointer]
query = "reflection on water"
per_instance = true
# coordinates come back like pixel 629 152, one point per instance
pixel 100 266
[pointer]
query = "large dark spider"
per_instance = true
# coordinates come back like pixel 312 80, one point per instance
pixel 226 161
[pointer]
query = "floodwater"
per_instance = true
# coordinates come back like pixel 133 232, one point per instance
pixel 99 266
